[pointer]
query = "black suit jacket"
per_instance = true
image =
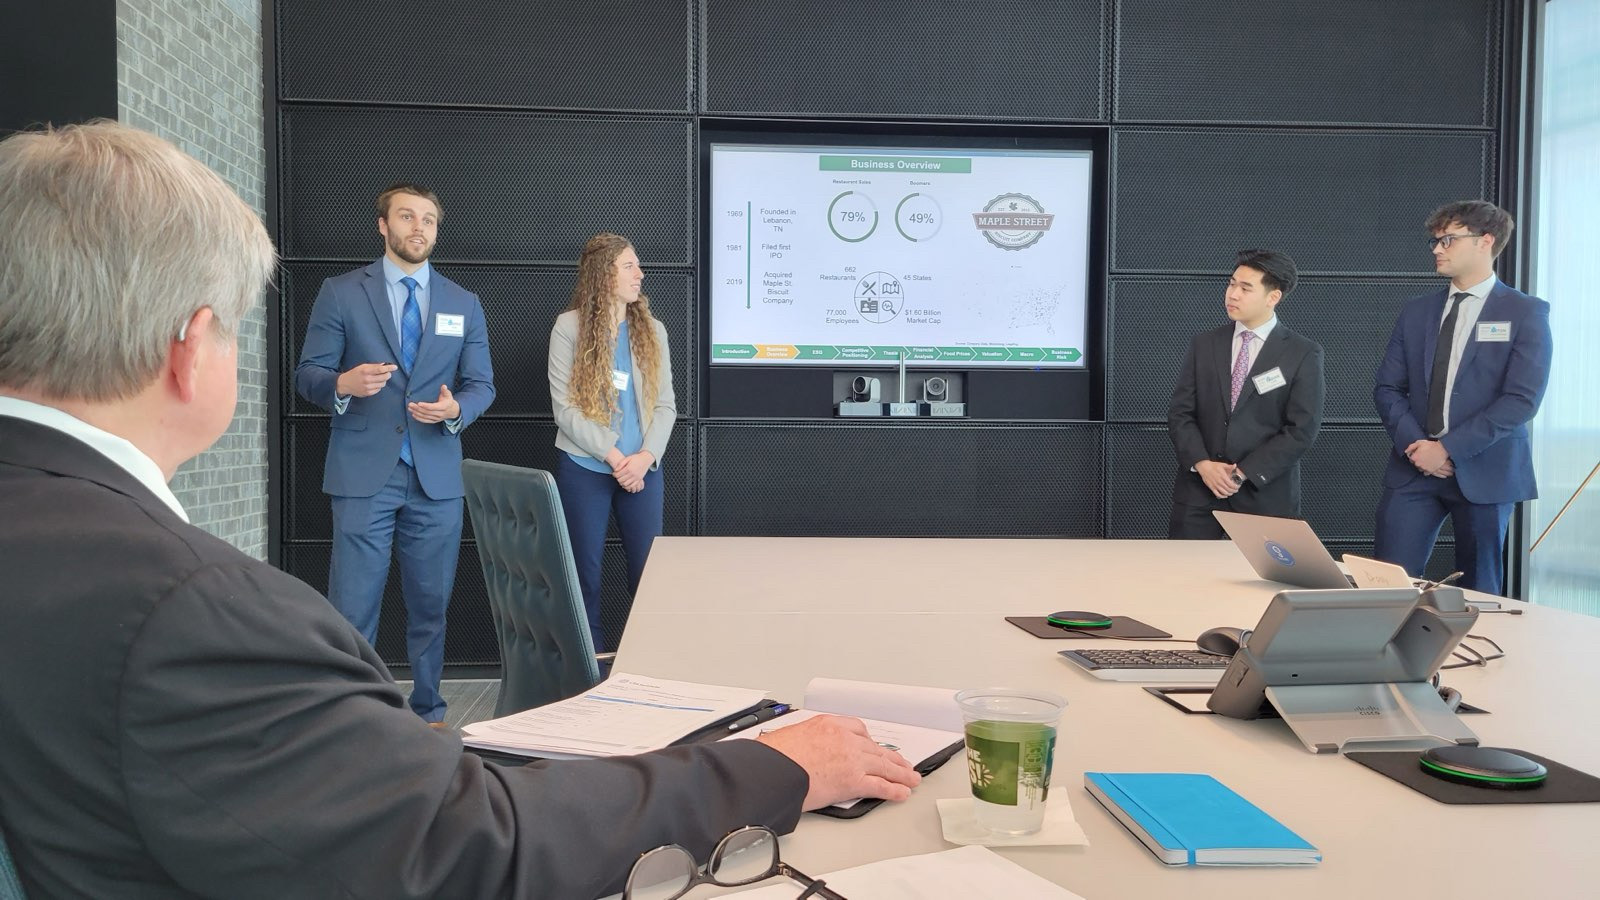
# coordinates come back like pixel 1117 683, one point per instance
pixel 182 720
pixel 1265 435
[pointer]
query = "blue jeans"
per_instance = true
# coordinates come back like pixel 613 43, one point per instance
pixel 428 534
pixel 588 500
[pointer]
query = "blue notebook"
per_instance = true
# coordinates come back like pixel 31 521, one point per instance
pixel 1196 820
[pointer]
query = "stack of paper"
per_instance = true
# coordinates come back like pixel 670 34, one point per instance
pixel 623 715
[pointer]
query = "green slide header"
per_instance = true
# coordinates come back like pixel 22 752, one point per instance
pixel 931 165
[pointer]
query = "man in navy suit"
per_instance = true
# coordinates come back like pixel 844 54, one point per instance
pixel 400 355
pixel 1463 375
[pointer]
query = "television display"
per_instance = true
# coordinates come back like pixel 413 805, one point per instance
pixel 852 255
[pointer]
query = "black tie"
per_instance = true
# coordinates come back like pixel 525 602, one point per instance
pixel 1438 384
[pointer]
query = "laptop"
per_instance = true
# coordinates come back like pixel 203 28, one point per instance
pixel 1283 550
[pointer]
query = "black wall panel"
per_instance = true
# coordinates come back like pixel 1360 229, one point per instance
pixel 1139 468
pixel 512 442
pixel 615 56
pixel 58 63
pixel 520 305
pixel 1341 477
pixel 1338 202
pixel 1329 131
pixel 515 187
pixel 1003 60
pixel 900 480
pixel 1399 62
pixel 1152 321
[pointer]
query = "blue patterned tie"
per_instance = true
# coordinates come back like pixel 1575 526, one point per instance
pixel 410 340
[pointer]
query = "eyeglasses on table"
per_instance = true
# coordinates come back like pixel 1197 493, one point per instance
pixel 744 856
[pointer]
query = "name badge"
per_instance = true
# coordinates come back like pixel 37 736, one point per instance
pixel 447 325
pixel 619 379
pixel 1498 332
pixel 1270 380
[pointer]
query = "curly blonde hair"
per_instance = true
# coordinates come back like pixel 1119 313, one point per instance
pixel 590 388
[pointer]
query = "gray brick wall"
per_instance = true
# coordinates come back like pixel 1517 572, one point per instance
pixel 190 71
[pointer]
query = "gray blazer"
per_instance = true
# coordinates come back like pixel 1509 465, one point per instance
pixel 578 433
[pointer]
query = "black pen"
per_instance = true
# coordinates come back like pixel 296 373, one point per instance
pixel 760 715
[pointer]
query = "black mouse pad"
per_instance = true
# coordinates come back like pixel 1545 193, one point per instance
pixel 1564 784
pixel 1121 627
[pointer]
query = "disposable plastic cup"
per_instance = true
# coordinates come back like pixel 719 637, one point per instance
pixel 1011 742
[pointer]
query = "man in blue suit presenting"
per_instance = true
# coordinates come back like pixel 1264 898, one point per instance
pixel 1463 375
pixel 400 355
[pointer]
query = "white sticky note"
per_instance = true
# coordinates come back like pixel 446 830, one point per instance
pixel 619 379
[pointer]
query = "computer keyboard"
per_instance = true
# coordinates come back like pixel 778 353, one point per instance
pixel 1149 665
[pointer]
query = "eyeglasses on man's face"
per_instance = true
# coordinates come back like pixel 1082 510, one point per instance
pixel 1445 240
pixel 745 856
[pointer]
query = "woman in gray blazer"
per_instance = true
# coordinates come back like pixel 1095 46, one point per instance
pixel 611 390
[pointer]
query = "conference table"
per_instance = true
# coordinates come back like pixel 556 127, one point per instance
pixel 773 613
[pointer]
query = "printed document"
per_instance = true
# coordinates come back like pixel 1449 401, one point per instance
pixel 623 715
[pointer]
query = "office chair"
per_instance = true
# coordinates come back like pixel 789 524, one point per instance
pixel 546 652
pixel 10 882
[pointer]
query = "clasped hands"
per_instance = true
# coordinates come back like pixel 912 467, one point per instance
pixel 1430 458
pixel 629 470
pixel 1219 477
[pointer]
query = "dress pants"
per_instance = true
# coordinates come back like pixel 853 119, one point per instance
pixel 1196 523
pixel 1409 519
pixel 427 535
pixel 588 500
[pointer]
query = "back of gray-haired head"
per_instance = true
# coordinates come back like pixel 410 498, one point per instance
pixel 111 239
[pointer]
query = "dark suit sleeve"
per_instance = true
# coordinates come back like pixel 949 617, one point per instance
pixel 475 371
pixel 1188 444
pixel 1302 419
pixel 265 753
pixel 1391 392
pixel 1527 373
pixel 323 351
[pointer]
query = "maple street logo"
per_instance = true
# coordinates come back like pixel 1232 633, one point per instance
pixel 1013 221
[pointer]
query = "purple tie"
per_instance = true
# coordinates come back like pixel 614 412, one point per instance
pixel 1241 366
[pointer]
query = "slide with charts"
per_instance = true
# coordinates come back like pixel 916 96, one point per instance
pixel 853 255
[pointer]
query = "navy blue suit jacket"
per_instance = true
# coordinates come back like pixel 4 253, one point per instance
pixel 1498 387
pixel 352 323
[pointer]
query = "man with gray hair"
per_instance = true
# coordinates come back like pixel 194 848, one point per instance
pixel 181 720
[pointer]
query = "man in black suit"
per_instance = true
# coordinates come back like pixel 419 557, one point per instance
pixel 1247 406
pixel 182 720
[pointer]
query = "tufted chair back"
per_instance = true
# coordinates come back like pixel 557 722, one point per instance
pixel 546 653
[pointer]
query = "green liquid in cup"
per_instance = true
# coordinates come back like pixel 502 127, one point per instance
pixel 1008 765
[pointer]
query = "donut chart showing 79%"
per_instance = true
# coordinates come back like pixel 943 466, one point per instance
pixel 853 216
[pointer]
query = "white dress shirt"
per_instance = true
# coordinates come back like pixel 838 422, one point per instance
pixel 119 450
pixel 1261 332
pixel 1466 321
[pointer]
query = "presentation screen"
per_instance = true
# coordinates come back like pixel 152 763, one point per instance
pixel 852 255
